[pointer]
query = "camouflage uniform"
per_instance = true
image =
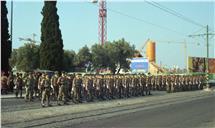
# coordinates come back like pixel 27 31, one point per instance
pixel 62 81
pixel 36 80
pixel 40 86
pixel 18 85
pixel 148 85
pixel 142 85
pixel 10 82
pixel 4 86
pixel 90 89
pixel 29 86
pixel 46 91
pixel 127 87
pixel 77 87
pixel 55 85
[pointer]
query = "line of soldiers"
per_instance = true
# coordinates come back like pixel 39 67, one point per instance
pixel 78 88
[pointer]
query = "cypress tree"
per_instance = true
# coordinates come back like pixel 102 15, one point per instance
pixel 6 44
pixel 51 48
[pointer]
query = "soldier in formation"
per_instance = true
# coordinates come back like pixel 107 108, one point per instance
pixel 18 85
pixel 90 88
pixel 46 91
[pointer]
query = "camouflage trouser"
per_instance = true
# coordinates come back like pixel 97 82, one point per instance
pixel 62 94
pixel 172 88
pixel 168 88
pixel 127 91
pixel 56 92
pixel 90 94
pixel 148 90
pixel 142 90
pixel 200 86
pixel 18 91
pixel 29 93
pixel 77 94
pixel 45 96
pixel 120 91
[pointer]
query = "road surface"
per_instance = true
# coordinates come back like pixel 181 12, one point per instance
pixel 177 110
pixel 197 113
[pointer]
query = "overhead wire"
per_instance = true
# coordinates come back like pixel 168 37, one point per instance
pixel 142 20
pixel 173 12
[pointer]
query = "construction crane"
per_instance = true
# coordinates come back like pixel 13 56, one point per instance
pixel 102 20
pixel 31 41
pixel 141 50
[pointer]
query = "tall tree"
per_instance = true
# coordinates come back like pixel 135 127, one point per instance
pixel 122 51
pixel 51 48
pixel 5 42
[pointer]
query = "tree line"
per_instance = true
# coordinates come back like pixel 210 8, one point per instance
pixel 112 55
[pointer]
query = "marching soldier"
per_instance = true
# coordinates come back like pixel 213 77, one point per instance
pixel 90 89
pixel 172 83
pixel 46 91
pixel 127 87
pixel 107 87
pixel 112 87
pixel 70 85
pixel 40 86
pixel 62 89
pixel 77 87
pixel 142 85
pixel 18 85
pixel 55 85
pixel 10 82
pixel 4 85
pixel 29 86
pixel 36 80
pixel 148 85
pixel 168 84
pixel 163 83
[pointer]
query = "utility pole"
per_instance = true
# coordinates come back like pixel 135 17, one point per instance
pixel 207 34
pixel 11 23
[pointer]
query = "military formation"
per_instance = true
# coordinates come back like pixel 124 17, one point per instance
pixel 78 88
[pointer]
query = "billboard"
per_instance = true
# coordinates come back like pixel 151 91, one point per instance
pixel 139 64
pixel 211 63
pixel 199 64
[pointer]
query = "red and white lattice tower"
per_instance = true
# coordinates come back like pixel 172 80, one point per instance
pixel 102 22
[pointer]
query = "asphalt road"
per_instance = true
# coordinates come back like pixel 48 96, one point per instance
pixel 194 109
pixel 194 114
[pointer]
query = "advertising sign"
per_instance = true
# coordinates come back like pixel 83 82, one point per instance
pixel 196 64
pixel 211 64
pixel 199 64
pixel 139 64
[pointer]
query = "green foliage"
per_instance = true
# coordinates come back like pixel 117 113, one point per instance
pixel 83 57
pixel 69 60
pixel 25 58
pixel 113 55
pixel 6 44
pixel 51 48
